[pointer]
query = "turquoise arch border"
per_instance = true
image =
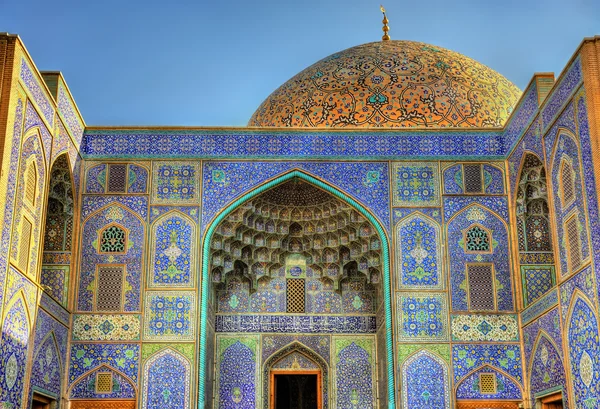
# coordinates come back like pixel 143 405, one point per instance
pixel 386 276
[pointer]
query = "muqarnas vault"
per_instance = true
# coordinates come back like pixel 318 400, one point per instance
pixel 398 226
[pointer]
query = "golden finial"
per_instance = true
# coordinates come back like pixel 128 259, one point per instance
pixel 385 21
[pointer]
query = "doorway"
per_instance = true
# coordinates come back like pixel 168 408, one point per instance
pixel 553 401
pixel 295 390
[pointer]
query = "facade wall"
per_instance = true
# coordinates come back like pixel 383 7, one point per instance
pixel 144 216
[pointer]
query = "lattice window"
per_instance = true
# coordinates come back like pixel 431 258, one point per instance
pixel 295 295
pixel 481 287
pixel 104 382
pixel 112 240
pixel 477 240
pixel 117 178
pixel 110 288
pixel 473 178
pixel 487 383
pixel 30 183
pixel 567 182
pixel 573 243
pixel 24 244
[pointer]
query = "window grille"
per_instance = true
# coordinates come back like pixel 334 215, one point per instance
pixel 112 240
pixel 477 240
pixel 567 183
pixel 110 288
pixel 487 383
pixel 573 244
pixel 481 287
pixel 295 295
pixel 104 382
pixel 473 178
pixel 25 244
pixel 30 183
pixel 117 177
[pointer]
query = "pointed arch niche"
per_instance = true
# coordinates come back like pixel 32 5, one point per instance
pixel 58 233
pixel 536 255
pixel 293 245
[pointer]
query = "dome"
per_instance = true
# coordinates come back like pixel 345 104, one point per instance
pixel 391 84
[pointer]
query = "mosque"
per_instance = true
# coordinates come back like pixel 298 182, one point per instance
pixel 398 226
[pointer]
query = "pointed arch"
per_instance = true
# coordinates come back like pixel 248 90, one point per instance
pixel 163 369
pixel 289 349
pixel 84 385
pixel 47 366
pixel 515 385
pixel 421 389
pixel 173 237
pixel 294 173
pixel 419 268
pixel 546 371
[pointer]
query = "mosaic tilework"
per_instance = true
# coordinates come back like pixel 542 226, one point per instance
pixel 36 90
pixel 547 370
pixel 307 324
pixel 505 387
pixel 422 317
pixel 137 179
pixel 566 148
pixel 85 387
pixel 589 178
pixel 425 392
pixel 256 144
pixel 531 142
pixel 295 361
pixel 237 373
pixel 31 149
pixel 415 184
pixel 176 182
pixel 95 179
pixel 106 327
pixel 91 257
pixel 33 121
pixel 459 258
pixel 224 181
pixel 120 357
pixel 453 180
pixel 157 211
pixel 493 180
pixel 46 324
pixel 521 117
pixel 67 110
pixel 173 247
pixel 166 381
pixel 418 253
pixel 479 327
pixel 61 141
pixel 455 204
pixel 354 370
pixel 54 279
pixel 16 282
pixel 583 281
pixel 90 204
pixel 407 350
pixel 562 91
pixel 399 213
pixel 308 353
pixel 319 344
pixel 549 325
pixel 47 368
pixel 8 209
pixel 538 280
pixel 170 316
pixel 13 353
pixel 55 309
pixel 584 354
pixel 534 310
pixel 507 358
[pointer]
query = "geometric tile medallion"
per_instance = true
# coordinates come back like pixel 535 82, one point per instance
pixel 499 328
pixel 422 317
pixel 415 184
pixel 176 182
pixel 170 316
pixel 106 327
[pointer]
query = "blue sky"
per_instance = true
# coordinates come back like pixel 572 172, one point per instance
pixel 202 63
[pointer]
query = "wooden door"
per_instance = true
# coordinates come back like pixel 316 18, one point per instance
pixel 552 402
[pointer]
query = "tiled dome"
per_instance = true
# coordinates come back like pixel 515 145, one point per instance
pixel 391 84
